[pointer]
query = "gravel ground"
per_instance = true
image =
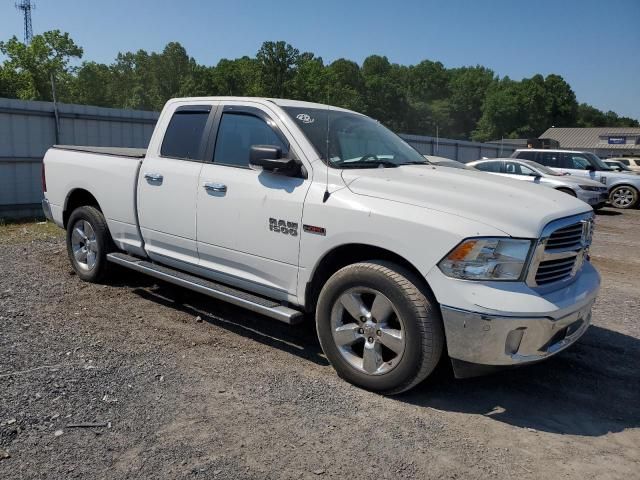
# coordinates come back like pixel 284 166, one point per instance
pixel 178 386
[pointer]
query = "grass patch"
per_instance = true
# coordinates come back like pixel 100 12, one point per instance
pixel 24 231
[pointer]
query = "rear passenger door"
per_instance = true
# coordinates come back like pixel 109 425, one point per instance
pixel 168 183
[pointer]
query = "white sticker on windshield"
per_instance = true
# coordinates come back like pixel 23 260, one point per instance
pixel 304 118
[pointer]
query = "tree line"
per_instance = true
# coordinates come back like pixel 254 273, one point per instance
pixel 465 102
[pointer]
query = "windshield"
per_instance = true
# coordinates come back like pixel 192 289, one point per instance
pixel 353 141
pixel 541 168
pixel 597 162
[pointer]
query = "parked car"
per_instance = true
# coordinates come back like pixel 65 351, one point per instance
pixel 446 162
pixel 290 208
pixel 632 162
pixel 619 166
pixel 623 188
pixel 589 191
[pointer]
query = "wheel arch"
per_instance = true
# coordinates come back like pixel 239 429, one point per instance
pixel 348 254
pixel 78 197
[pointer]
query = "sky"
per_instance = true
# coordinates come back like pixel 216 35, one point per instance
pixel 594 45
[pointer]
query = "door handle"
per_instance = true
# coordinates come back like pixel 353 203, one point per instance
pixel 154 177
pixel 215 187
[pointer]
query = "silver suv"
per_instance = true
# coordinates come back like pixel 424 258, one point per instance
pixel 624 188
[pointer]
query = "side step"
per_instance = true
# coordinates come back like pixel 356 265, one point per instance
pixel 215 290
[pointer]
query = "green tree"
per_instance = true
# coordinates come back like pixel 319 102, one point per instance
pixel 309 81
pixel 563 107
pixel 384 96
pixel 32 65
pixel 501 111
pixel 240 77
pixel 467 91
pixel 93 85
pixel 345 87
pixel 277 61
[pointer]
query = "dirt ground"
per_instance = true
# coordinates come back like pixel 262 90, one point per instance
pixel 179 386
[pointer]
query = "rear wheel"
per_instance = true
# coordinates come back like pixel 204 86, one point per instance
pixel 623 196
pixel 88 242
pixel 378 327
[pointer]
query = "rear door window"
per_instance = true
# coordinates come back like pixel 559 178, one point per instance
pixel 517 169
pixel 489 166
pixel 526 155
pixel 183 137
pixel 237 133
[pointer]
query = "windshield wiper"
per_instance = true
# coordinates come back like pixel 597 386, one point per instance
pixel 368 164
pixel 414 162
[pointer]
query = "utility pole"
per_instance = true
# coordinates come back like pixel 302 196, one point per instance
pixel 26 6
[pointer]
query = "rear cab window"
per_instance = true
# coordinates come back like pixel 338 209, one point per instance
pixel 183 138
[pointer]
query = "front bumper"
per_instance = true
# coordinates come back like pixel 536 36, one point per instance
pixel 500 340
pixel 509 323
pixel 595 199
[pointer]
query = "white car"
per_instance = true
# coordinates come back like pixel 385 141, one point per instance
pixel 624 188
pixel 446 162
pixel 302 211
pixel 631 162
pixel 620 166
pixel 589 191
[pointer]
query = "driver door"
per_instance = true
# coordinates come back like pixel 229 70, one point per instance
pixel 579 165
pixel 249 221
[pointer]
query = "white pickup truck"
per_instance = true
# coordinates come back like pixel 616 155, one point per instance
pixel 294 210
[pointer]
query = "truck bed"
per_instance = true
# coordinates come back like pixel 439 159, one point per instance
pixel 115 151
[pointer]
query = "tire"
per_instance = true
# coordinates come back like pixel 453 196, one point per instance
pixel 402 347
pixel 88 242
pixel 568 191
pixel 623 196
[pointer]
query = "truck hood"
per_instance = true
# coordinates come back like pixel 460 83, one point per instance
pixel 516 208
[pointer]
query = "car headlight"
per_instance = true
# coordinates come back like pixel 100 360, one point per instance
pixel 487 259
pixel 591 188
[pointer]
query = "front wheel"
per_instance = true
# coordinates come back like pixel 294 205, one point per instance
pixel 88 242
pixel 623 196
pixel 378 328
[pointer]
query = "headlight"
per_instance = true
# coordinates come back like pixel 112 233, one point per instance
pixel 487 259
pixel 591 188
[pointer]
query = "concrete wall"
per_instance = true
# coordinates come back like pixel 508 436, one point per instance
pixel 28 129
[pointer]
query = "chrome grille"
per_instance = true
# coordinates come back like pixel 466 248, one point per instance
pixel 566 237
pixel 554 270
pixel 560 251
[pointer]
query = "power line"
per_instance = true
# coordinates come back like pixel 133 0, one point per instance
pixel 26 6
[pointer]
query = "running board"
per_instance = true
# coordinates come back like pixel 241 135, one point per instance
pixel 215 290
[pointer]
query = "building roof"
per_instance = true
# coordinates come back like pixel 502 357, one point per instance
pixel 614 138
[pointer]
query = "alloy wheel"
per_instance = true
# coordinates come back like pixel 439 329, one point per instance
pixel 84 245
pixel 368 330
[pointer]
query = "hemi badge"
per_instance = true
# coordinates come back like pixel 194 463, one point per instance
pixel 313 229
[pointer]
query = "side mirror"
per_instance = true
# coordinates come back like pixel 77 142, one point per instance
pixel 590 167
pixel 269 158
